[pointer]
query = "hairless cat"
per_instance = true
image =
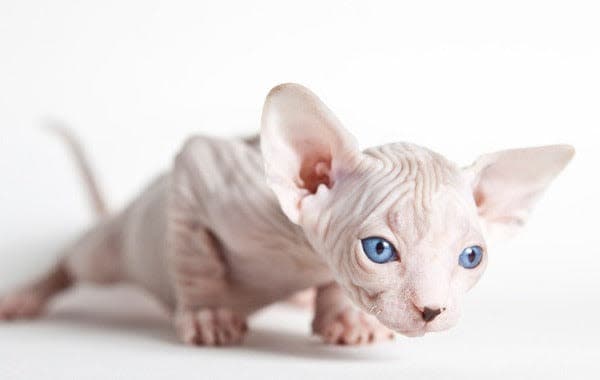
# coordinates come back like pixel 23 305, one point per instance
pixel 391 237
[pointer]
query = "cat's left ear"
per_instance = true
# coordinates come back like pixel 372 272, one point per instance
pixel 507 184
pixel 304 146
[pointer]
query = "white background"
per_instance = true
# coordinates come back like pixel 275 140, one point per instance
pixel 134 78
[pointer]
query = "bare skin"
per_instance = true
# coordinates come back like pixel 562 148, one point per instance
pixel 215 242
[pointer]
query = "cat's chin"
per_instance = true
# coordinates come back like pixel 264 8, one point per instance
pixel 413 333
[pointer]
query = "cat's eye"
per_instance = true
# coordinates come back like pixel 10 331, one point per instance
pixel 470 257
pixel 379 250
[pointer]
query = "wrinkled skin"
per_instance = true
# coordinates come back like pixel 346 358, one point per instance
pixel 215 242
pixel 429 226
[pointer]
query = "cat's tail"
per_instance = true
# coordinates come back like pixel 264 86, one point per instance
pixel 83 167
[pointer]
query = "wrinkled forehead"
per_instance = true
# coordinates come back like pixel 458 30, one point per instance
pixel 446 214
pixel 410 190
pixel 412 171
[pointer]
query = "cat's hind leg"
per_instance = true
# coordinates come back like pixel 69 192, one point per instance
pixel 30 300
pixel 94 258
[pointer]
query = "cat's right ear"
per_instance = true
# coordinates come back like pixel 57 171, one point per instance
pixel 305 147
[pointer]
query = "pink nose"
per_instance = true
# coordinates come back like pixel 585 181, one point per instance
pixel 430 314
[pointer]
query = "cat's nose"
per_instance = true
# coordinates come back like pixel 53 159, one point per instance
pixel 430 314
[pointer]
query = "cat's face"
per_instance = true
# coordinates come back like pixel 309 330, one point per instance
pixel 402 236
pixel 401 228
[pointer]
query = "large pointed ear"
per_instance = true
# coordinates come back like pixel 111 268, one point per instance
pixel 507 184
pixel 304 146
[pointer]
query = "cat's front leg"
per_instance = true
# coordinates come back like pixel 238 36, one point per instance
pixel 199 276
pixel 205 312
pixel 338 321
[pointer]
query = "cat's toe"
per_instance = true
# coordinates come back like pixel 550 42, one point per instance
pixel 211 327
pixel 351 327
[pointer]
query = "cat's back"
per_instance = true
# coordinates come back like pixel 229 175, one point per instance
pixel 215 166
pixel 226 184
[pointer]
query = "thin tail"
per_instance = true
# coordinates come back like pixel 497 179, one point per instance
pixel 83 166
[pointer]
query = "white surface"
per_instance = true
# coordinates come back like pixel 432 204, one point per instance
pixel 134 78
pixel 116 334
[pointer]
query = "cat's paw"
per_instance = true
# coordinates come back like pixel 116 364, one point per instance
pixel 21 304
pixel 210 327
pixel 351 327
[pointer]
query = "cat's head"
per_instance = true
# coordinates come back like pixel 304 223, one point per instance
pixel 402 229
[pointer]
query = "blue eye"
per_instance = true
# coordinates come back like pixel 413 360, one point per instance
pixel 470 257
pixel 379 250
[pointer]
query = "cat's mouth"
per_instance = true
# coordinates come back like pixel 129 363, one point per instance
pixel 420 328
pixel 416 330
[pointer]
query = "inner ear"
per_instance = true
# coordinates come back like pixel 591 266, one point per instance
pixel 315 171
pixel 479 198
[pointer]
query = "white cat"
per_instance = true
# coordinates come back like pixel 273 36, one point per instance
pixel 392 237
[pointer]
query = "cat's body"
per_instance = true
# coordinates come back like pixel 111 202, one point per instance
pixel 234 226
pixel 227 202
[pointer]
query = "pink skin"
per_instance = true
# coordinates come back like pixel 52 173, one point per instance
pixel 215 242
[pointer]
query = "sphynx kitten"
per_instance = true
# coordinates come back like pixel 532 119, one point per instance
pixel 392 237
